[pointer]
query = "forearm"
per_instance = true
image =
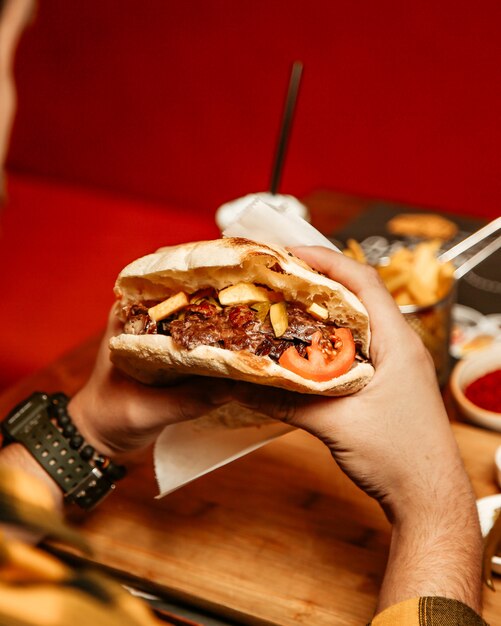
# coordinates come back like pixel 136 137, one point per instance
pixel 436 551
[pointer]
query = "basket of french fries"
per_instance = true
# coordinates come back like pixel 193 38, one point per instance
pixel 423 280
pixel 424 289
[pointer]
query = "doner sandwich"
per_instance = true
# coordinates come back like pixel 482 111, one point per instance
pixel 244 310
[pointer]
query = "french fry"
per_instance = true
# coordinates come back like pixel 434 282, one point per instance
pixel 356 251
pixel 318 311
pixel 278 318
pixel 420 292
pixel 402 256
pixel 172 305
pixel 445 279
pixel 396 281
pixel 426 267
pixel 390 271
pixel 243 293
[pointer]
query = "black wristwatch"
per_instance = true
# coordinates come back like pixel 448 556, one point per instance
pixel 41 423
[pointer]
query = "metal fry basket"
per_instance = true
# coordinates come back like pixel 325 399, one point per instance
pixel 433 322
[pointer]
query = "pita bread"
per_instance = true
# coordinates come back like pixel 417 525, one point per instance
pixel 156 359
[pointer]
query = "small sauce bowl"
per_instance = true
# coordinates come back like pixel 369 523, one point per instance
pixel 469 369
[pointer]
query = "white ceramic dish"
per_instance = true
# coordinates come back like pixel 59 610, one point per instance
pixel 465 372
pixel 472 331
pixel 486 513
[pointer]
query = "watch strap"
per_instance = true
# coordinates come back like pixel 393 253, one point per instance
pixel 31 424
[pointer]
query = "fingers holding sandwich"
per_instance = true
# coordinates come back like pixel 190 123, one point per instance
pixel 119 415
pixel 386 321
pixel 384 436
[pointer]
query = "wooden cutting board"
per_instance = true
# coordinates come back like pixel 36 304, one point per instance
pixel 279 537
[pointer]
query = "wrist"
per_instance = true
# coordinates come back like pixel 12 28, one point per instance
pixel 104 421
pixel 81 410
pixel 435 484
pixel 436 550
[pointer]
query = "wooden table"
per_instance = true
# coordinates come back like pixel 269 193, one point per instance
pixel 280 536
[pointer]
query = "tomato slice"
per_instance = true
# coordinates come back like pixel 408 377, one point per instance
pixel 317 366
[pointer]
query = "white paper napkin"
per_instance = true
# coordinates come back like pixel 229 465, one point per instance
pixel 261 222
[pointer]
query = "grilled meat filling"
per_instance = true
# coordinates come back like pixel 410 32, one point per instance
pixel 236 327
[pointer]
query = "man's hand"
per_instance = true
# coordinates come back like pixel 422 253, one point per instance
pixel 393 439
pixel 388 435
pixel 119 415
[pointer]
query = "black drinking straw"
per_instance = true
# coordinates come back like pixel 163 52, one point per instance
pixel 288 114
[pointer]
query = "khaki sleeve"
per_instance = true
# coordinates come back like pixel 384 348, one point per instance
pixel 432 611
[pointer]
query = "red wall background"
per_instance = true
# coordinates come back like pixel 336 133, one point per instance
pixel 137 119
pixel 181 101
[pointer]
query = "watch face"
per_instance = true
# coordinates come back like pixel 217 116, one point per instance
pixel 24 417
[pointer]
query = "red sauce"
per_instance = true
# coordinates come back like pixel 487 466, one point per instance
pixel 485 392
